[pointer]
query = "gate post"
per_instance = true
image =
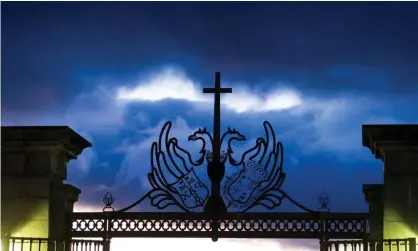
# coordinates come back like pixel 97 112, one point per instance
pixel 35 200
pixel 397 147
pixel 106 244
pixel 412 244
pixel 107 227
pixel 373 194
pixel 5 242
pixel 365 244
pixel 323 244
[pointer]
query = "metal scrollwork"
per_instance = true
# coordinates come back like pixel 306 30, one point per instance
pixel 108 200
pixel 324 200
pixel 260 177
pixel 257 182
pixel 238 183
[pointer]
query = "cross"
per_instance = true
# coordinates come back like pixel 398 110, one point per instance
pixel 216 170
pixel 217 115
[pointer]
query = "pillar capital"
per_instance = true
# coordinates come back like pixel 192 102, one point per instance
pixel 381 139
pixel 39 150
pixel 397 147
pixel 373 192
pixel 35 200
pixel 43 136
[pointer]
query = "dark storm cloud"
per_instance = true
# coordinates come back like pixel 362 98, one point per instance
pixel 48 48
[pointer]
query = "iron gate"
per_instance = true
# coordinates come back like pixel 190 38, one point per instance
pixel 221 210
pixel 48 244
pixel 381 245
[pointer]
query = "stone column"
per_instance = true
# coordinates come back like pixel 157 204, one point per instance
pixel 35 201
pixel 397 147
pixel 373 194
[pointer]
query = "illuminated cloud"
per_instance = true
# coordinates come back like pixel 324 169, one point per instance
pixel 331 124
pixel 174 84
pixel 166 84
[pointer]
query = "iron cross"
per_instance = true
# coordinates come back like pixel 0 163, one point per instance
pixel 216 170
pixel 216 145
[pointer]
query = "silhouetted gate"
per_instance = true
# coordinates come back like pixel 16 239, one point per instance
pixel 221 210
pixel 381 245
pixel 48 244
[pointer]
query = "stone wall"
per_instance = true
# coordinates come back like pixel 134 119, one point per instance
pixel 397 147
pixel 35 202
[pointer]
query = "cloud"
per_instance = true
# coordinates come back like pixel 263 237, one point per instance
pixel 174 84
pixel 97 111
pixel 315 123
pixel 136 163
pixel 87 158
pixel 168 83
pixel 331 123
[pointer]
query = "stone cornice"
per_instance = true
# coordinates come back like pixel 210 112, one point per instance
pixel 42 136
pixel 381 138
pixel 373 192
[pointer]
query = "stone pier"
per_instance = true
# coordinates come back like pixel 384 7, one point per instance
pixel 397 147
pixel 35 201
pixel 373 194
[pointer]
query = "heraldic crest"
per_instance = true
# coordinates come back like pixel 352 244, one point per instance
pixel 256 180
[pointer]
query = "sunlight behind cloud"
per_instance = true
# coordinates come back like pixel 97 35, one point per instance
pixel 173 84
pixel 166 84
pixel 283 99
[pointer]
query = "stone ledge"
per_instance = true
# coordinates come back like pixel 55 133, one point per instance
pixel 41 134
pixel 379 138
pixel 373 192
pixel 71 192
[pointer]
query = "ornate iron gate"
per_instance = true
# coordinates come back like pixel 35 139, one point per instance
pixel 48 244
pixel 380 245
pixel 226 203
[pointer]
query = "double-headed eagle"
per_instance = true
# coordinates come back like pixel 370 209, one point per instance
pixel 256 180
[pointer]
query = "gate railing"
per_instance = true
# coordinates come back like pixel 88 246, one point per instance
pixel 408 244
pixel 48 244
pixel 230 225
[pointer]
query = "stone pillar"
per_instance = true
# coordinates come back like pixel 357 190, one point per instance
pixel 35 201
pixel 373 194
pixel 397 147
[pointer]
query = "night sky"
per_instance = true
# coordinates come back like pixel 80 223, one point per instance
pixel 115 72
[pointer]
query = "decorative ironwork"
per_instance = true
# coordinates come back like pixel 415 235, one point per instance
pixel 257 182
pixel 225 204
pixel 230 225
pixel 30 243
pixel 261 176
pixel 324 202
pixel 385 244
pixel 108 200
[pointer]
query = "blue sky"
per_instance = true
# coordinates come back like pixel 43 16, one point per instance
pixel 115 72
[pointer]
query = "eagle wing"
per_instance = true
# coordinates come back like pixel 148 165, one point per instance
pixel 261 175
pixel 172 177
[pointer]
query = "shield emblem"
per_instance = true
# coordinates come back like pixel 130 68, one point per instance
pixel 243 188
pixel 192 191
